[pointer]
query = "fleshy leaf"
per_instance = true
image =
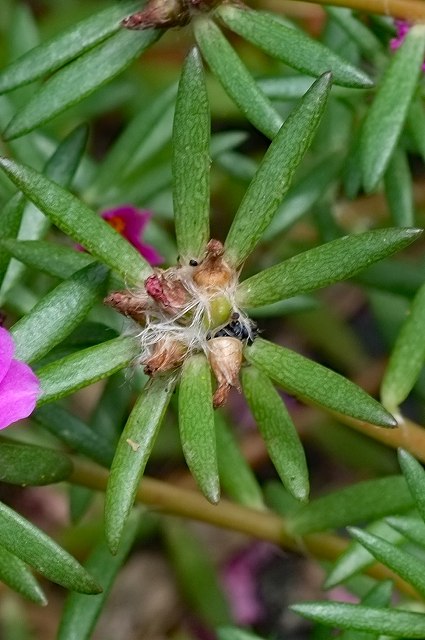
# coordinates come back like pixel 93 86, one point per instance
pixel 80 78
pixel 81 612
pixel 57 51
pixel 407 357
pixel 235 78
pixel 401 562
pixel 356 558
pixel 191 160
pixel 55 259
pixel 399 189
pixel 324 265
pixel 196 574
pixel 316 384
pixel 273 178
pixel 386 116
pixel 414 473
pixel 58 313
pixel 236 477
pixel 378 596
pixel 131 146
pixel 367 500
pixel 404 624
pixel 232 633
pixel 11 217
pixel 278 431
pixel 132 454
pixel 78 221
pixel 25 464
pixel 291 45
pixel 64 376
pixel 75 433
pixel 196 423
pixel 34 547
pixel 410 527
pixel 18 577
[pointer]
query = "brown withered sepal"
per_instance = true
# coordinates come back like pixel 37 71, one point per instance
pixel 129 304
pixel 214 272
pixel 225 357
pixel 165 14
pixel 160 14
pixel 167 355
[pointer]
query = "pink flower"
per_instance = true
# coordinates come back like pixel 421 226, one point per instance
pixel 130 222
pixel 402 29
pixel 19 385
pixel 240 579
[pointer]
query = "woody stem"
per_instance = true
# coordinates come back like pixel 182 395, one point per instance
pixel 264 525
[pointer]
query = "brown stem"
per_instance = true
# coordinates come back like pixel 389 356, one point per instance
pixel 259 524
pixel 404 9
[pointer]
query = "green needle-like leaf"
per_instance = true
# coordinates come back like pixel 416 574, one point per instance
pixel 58 313
pixel 132 454
pixel 232 633
pixel 25 464
pixel 402 563
pixel 80 78
pixel 34 547
pixel 402 624
pixel 72 42
pixel 407 357
pixel 414 473
pixel 196 573
pixel 273 178
pixel 55 259
pixel 10 222
pixel 64 376
pixel 356 558
pixel 323 265
pixel 410 527
pixel 236 476
pixel 291 46
pixel 78 221
pixel 385 118
pixel 235 77
pixel 81 612
pixel 367 500
pixel 18 577
pixel 316 384
pixel 196 422
pixel 278 431
pixel 399 189
pixel 378 596
pixel 130 147
pixel 191 160
pixel 75 433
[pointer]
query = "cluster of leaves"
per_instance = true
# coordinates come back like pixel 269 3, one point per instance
pixel 72 342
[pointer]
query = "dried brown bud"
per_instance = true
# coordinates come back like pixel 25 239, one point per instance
pixel 167 354
pixel 159 14
pixel 167 290
pixel 225 357
pixel 129 304
pixel 213 272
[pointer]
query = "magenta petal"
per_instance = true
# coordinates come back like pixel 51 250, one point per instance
pixel 135 219
pixel 18 393
pixel 6 352
pixel 150 254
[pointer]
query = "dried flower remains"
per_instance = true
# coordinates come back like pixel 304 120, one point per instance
pixel 190 308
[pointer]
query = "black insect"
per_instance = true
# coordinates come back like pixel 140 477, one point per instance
pixel 193 263
pixel 235 329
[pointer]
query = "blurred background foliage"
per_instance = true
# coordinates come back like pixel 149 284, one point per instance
pixel 182 579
